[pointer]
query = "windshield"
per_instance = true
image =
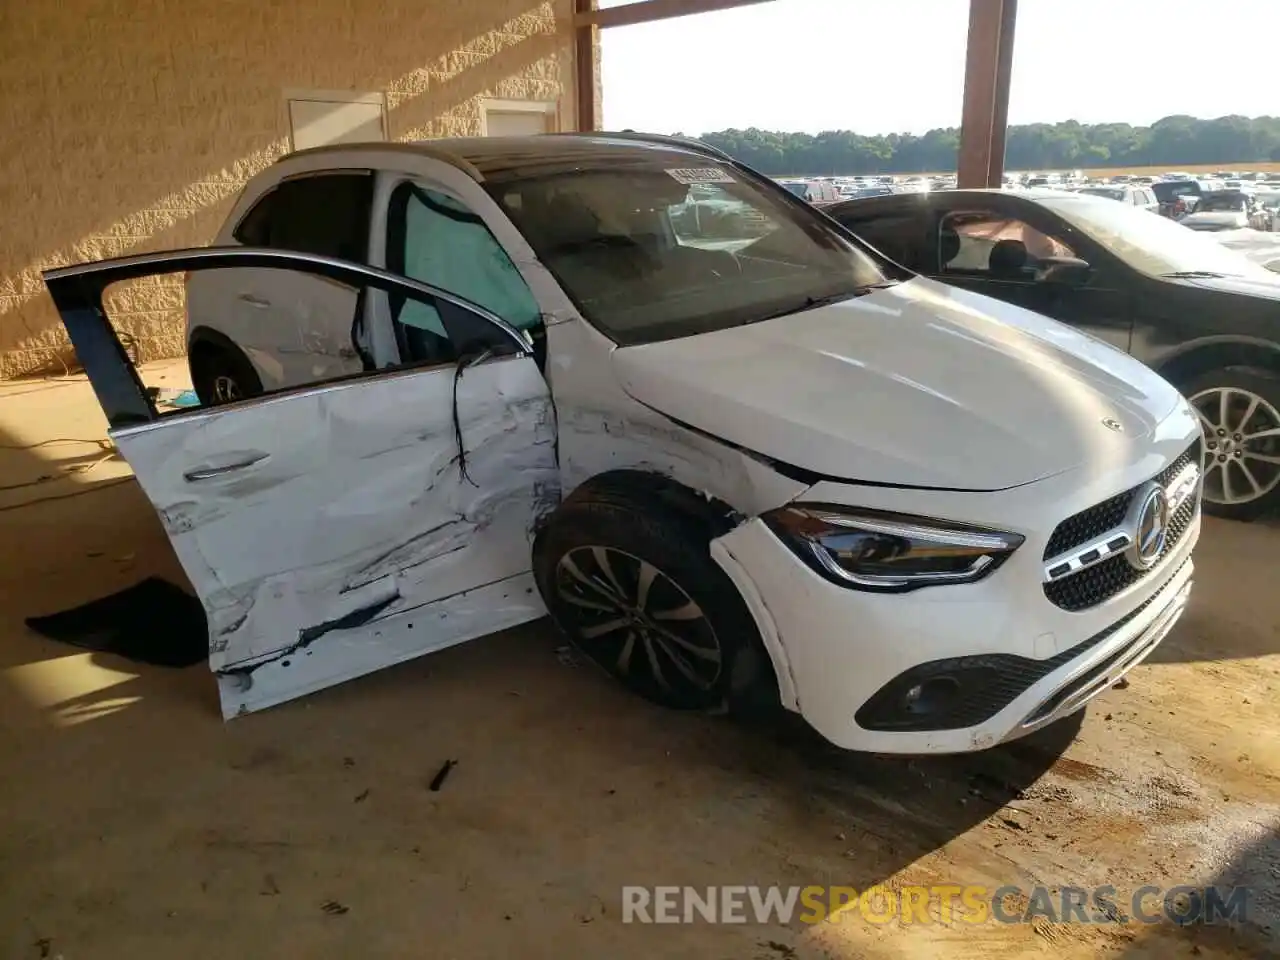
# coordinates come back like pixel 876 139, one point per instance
pixel 1221 201
pixel 799 189
pixel 1111 193
pixel 1154 245
pixel 650 253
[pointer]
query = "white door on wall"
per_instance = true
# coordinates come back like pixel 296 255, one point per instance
pixel 515 118
pixel 318 118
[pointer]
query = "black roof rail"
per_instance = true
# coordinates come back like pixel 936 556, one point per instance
pixel 687 142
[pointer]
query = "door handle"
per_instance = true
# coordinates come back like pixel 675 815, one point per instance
pixel 253 301
pixel 205 473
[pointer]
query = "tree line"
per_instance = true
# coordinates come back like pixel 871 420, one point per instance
pixel 1173 141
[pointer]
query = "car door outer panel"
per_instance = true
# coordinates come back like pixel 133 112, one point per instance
pixel 357 521
pixel 341 528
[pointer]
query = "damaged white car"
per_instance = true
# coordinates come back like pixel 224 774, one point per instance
pixel 735 457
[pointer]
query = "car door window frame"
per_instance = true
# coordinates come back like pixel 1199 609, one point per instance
pixel 924 255
pixel 401 191
pixel 77 292
pixel 273 196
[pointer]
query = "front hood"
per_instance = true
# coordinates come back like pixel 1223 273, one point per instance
pixel 1260 286
pixel 916 385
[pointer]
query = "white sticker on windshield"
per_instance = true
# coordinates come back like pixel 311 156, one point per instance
pixel 690 175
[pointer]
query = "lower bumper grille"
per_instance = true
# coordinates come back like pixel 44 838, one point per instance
pixel 986 683
pixel 1101 675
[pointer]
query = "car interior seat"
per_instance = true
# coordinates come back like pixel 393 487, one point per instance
pixel 577 241
pixel 1007 259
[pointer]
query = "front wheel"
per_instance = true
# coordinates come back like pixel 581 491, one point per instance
pixel 633 585
pixel 1239 411
pixel 222 375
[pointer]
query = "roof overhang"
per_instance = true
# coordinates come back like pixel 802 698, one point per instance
pixel 647 11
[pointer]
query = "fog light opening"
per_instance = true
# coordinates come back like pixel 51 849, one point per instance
pixel 934 695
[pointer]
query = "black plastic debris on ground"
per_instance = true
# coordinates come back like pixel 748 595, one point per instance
pixel 153 622
pixel 438 780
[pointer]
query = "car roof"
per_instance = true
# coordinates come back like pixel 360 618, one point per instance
pixel 503 158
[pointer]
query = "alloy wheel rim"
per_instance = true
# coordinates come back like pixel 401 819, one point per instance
pixel 225 389
pixel 631 616
pixel 1241 445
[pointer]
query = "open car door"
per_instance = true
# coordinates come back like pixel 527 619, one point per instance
pixel 339 527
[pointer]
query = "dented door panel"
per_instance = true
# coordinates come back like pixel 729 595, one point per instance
pixel 348 506
pixel 335 490
pixel 336 529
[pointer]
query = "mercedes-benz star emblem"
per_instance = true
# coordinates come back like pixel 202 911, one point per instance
pixel 1112 424
pixel 1150 526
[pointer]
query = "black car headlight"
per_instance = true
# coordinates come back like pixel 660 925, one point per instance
pixel 889 552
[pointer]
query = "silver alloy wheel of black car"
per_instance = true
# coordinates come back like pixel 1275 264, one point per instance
pixel 628 614
pixel 1241 444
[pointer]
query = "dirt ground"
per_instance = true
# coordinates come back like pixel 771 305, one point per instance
pixel 135 823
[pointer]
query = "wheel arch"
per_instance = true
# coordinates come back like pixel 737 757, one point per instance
pixel 715 518
pixel 1199 357
pixel 206 338
pixel 715 515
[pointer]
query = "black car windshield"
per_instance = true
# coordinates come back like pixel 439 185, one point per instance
pixel 1153 245
pixel 1221 201
pixel 650 252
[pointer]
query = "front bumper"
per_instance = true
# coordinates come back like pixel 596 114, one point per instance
pixel 836 650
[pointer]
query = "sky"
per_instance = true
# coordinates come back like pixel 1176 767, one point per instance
pixel 885 66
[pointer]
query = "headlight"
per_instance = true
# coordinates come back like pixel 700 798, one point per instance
pixel 889 552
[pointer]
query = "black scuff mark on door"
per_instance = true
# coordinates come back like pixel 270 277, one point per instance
pixel 235 624
pixel 400 557
pixel 457 423
pixel 309 635
pixel 407 565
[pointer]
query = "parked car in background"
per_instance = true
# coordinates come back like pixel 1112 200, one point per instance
pixel 1135 196
pixel 1223 210
pixel 1178 197
pixel 1269 210
pixel 1204 316
pixel 814 191
pixel 661 444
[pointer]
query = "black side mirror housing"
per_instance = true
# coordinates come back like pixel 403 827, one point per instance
pixel 1067 271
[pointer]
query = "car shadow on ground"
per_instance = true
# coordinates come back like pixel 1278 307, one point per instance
pixel 1234 611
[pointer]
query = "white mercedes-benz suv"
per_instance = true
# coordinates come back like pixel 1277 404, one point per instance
pixel 734 452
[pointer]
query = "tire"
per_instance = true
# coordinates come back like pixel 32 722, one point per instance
pixel 1241 454
pixel 590 561
pixel 222 374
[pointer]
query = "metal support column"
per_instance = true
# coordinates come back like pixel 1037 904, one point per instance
pixel 584 55
pixel 985 116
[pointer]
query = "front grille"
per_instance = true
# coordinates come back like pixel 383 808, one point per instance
pixel 1096 584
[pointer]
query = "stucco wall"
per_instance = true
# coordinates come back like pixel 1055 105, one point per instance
pixel 129 125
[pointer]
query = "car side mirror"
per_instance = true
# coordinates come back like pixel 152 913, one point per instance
pixel 1067 271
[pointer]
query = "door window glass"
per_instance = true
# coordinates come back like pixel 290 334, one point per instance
pixel 989 245
pixel 438 240
pixel 326 214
